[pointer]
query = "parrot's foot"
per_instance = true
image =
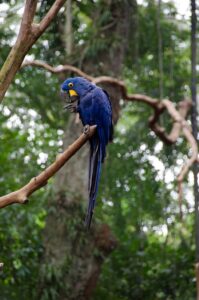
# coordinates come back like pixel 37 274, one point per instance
pixel 86 129
pixel 72 108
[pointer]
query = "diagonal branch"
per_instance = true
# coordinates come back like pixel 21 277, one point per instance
pixel 20 48
pixel 21 195
pixel 28 35
pixel 41 27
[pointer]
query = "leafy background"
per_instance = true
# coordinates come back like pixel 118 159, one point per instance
pixel 138 194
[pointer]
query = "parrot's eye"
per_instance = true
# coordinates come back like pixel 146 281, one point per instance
pixel 70 84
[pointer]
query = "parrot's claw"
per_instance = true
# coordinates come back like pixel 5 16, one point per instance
pixel 71 108
pixel 86 129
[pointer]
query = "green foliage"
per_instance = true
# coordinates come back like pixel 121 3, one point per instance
pixel 175 53
pixel 138 192
pixel 138 203
pixel 155 256
pixel 26 143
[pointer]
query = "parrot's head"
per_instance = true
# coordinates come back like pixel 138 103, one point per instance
pixel 74 88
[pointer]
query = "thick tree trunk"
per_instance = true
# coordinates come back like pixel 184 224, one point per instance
pixel 73 256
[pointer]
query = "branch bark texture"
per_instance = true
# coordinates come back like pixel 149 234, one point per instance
pixel 28 34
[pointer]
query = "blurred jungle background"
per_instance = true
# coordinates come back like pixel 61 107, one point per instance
pixel 138 247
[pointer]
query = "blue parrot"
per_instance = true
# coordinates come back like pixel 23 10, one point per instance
pixel 94 108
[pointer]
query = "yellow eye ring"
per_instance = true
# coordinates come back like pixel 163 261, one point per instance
pixel 70 84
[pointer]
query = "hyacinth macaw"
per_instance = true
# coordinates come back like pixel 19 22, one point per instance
pixel 94 108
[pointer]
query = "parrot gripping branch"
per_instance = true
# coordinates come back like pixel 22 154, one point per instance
pixel 177 113
pixel 21 195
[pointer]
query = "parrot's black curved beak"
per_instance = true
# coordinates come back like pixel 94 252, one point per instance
pixel 65 95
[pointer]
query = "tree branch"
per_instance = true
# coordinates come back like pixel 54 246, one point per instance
pixel 28 15
pixel 41 27
pixel 56 70
pixel 187 132
pixel 28 35
pixel 178 114
pixel 21 195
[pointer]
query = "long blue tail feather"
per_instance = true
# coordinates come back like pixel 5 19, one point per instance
pixel 94 176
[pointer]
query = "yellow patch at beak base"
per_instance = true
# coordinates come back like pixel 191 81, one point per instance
pixel 72 93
